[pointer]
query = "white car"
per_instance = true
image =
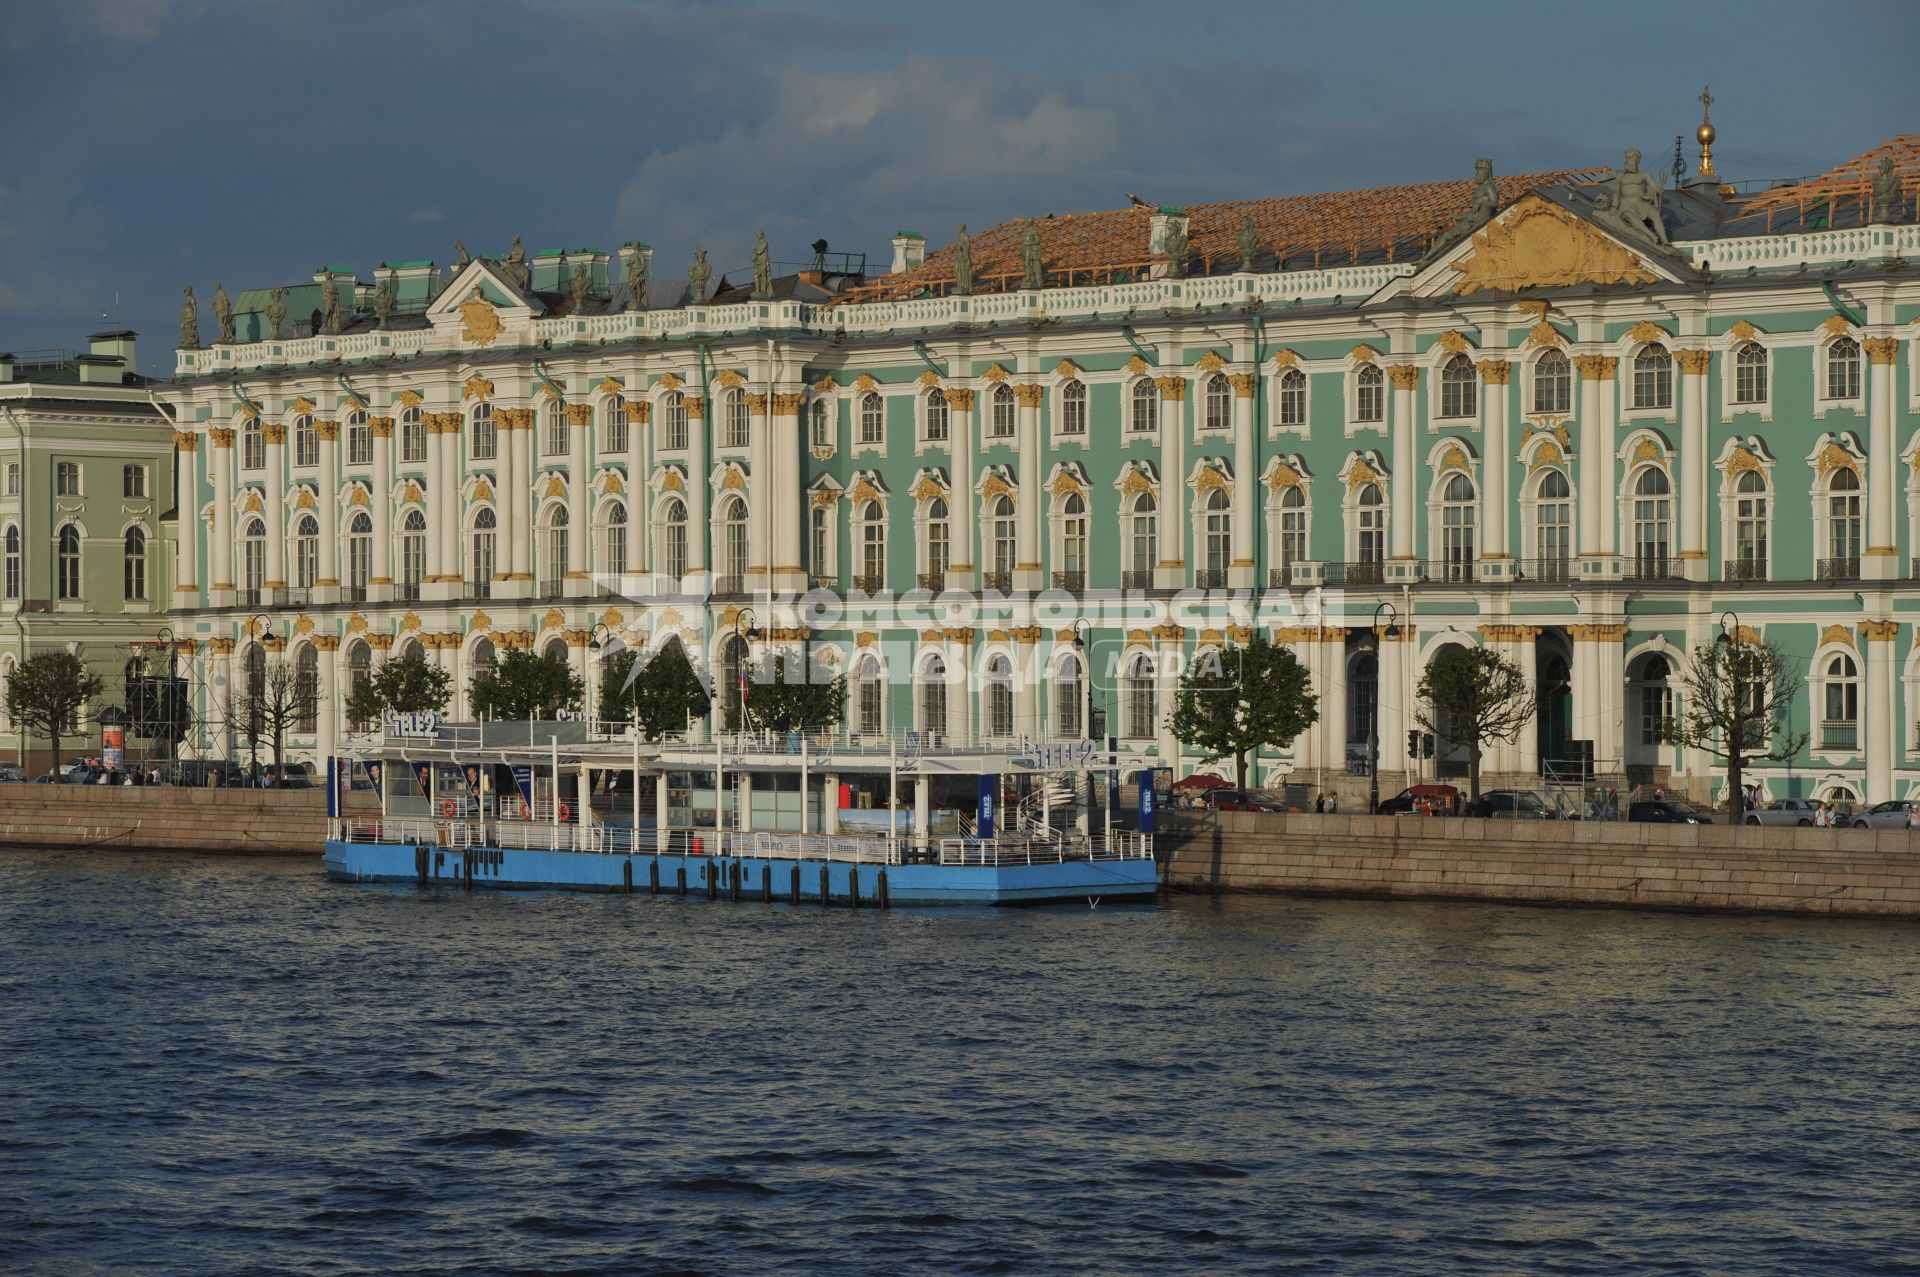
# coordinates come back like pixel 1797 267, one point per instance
pixel 1887 815
pixel 1784 811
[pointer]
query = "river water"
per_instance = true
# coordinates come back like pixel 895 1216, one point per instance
pixel 216 1065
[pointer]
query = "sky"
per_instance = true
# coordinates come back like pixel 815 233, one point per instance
pixel 156 143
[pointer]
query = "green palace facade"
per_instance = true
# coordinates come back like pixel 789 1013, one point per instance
pixel 1572 416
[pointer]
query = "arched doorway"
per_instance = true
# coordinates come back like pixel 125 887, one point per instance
pixel 1553 711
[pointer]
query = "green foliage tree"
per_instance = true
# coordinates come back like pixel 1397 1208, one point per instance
pixel 659 692
pixel 1735 696
pixel 1473 697
pixel 408 685
pixel 1235 700
pixel 523 685
pixel 47 691
pixel 780 699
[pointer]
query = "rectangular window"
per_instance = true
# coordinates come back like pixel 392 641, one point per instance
pixel 676 432
pixel 13 478
pixel 486 440
pixel 66 479
pixel 133 481
pixel 613 442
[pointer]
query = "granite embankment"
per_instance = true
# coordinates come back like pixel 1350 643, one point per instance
pixel 163 819
pixel 1700 867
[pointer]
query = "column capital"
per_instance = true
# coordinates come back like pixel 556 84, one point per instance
pixel 186 441
pixel 1495 372
pixel 1172 388
pixel 1693 363
pixel 1030 394
pixel 1881 350
pixel 1243 384
pixel 1880 631
pixel 222 436
pixel 329 431
pixel 273 432
pixel 382 427
pixel 1596 367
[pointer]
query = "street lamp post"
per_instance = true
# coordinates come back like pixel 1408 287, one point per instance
pixel 1373 720
pixel 1729 639
pixel 1083 647
pixel 594 644
pixel 740 674
pixel 262 636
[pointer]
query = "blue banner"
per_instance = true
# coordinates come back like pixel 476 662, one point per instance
pixel 523 781
pixel 1144 778
pixel 989 805
pixel 333 789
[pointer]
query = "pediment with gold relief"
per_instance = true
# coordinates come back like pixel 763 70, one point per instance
pixel 1538 244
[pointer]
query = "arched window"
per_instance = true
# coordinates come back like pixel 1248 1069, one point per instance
pixel 869 698
pixel 306 441
pixel 1457 528
pixel 1072 564
pixel 1217 537
pixel 1842 562
pixel 1553 384
pixel 671 545
pixel 1653 377
pixel 613 427
pixel 1748 562
pixel 553 562
pixel 933 696
pixel 1552 526
pixel 413 553
pixel 1652 523
pixel 737 432
pixel 359 555
pixel 484 434
pixel 1369 534
pixel 136 564
pixel 1291 544
pixel 613 545
pixel 673 416
pixel 938 423
pixel 306 552
pixel 256 684
pixel 1002 542
pixel 1840 719
pixel 1459 387
pixel 1219 404
pixel 1293 398
pixel 731 529
pixel 1145 397
pixel 555 435
pixel 306 689
pixel 1000 421
pixel 253 560
pixel 555 651
pixel 999 697
pixel 413 437
pixel 480 548
pixel 870 521
pixel 359 440
pixel 1363 697
pixel 820 524
pixel 1750 373
pixel 1369 393
pixel 1143 541
pixel 939 531
pixel 359 669
pixel 736 655
pixel 1656 700
pixel 1140 718
pixel 1066 697
pixel 1843 368
pixel 822 416
pixel 873 418
pixel 483 659
pixel 1073 409
pixel 13 561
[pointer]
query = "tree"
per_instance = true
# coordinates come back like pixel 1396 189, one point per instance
pixel 779 699
pixel 267 704
pixel 1237 699
pixel 1473 697
pixel 47 691
pixel 1735 699
pixel 659 692
pixel 408 685
pixel 523 685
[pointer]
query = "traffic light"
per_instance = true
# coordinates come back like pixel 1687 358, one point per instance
pixel 1413 744
pixel 1426 745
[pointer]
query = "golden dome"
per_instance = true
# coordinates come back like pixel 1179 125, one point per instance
pixel 1705 134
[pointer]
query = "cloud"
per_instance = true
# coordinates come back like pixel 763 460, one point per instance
pixel 425 215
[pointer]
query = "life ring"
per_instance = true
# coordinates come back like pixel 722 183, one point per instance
pixel 526 812
pixel 566 814
pixel 447 808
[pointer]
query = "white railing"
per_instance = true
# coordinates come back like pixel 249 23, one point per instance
pixel 1814 248
pixel 1043 851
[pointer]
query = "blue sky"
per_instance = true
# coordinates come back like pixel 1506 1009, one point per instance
pixel 153 143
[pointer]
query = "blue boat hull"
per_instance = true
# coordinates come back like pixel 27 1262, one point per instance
pixel 511 868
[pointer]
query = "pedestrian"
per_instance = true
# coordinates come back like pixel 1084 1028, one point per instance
pixel 1913 818
pixel 1333 803
pixel 1820 816
pixel 1319 804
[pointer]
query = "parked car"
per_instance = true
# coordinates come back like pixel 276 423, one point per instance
pixel 1888 815
pixel 1513 804
pixel 1783 811
pixel 1668 812
pixel 1444 799
pixel 11 772
pixel 1234 800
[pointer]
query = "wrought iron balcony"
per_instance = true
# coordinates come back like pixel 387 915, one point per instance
pixel 1840 569
pixel 1557 569
pixel 353 594
pixel 1001 581
pixel 869 582
pixel 935 581
pixel 1361 572
pixel 407 591
pixel 1210 578
pixel 1652 567
pixel 1137 579
pixel 1073 582
pixel 479 587
pixel 729 585
pixel 1743 570
pixel 1447 571
pixel 1839 734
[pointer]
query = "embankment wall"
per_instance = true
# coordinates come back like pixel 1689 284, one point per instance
pixel 1699 867
pixel 163 819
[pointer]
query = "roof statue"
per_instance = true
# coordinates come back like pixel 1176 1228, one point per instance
pixel 460 254
pixel 762 269
pixel 277 312
pixel 1629 202
pixel 698 275
pixel 189 321
pixel 1175 247
pixel 1033 269
pixel 637 266
pixel 223 313
pixel 1249 243
pixel 515 265
pixel 329 306
pixel 1889 199
pixel 962 262
pixel 382 303
pixel 577 285
pixel 1486 198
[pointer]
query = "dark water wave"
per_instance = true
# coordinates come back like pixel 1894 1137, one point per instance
pixel 231 1066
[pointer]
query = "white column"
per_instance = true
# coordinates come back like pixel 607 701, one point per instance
pixel 961 405
pixel 1883 491
pixel 517 524
pixel 275 577
pixel 1166 684
pixel 1175 500
pixel 1395 696
pixel 1246 485
pixel 786 453
pixel 1597 504
pixel 326 712
pixel 1026 689
pixel 699 496
pixel 446 504
pixel 327 581
pixel 639 517
pixel 1326 654
pixel 830 806
pixel 1881 710
pixel 1497 460
pixel 186 500
pixel 1027 570
pixel 1407 486
pixel 579 499
pixel 381 583
pixel 660 813
pixel 762 494
pixel 220 591
pixel 1696 472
